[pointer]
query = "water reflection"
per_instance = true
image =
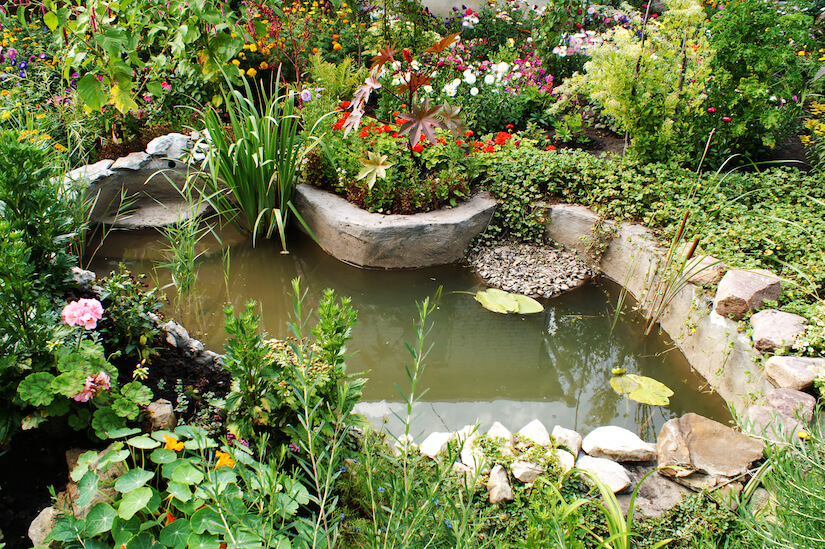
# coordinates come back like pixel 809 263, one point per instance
pixel 555 366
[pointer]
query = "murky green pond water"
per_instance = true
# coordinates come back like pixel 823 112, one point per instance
pixel 483 367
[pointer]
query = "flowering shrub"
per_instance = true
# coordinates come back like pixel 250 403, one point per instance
pixel 83 312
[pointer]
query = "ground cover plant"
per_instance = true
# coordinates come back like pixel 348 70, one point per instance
pixel 476 100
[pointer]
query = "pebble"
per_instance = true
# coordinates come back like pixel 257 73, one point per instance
pixel 535 271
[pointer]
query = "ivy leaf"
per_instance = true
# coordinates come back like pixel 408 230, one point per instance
pixel 443 44
pixel 384 56
pixel 642 389
pixel 91 92
pixel 36 389
pixel 422 119
pixel 375 166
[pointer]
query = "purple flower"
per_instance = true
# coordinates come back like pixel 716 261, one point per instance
pixel 22 65
pixel 2 58
pixel 75 75
pixel 42 56
pixel 12 53
pixel 22 74
pixel 306 95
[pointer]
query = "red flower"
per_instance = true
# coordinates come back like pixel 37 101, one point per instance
pixel 502 138
pixel 441 141
pixel 345 104
pixel 418 147
pixel 407 55
pixel 549 148
pixel 489 149
pixel 170 519
pixel 726 119
pixel 510 126
pixel 711 110
pixel 468 133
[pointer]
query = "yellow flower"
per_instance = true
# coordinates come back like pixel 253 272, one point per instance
pixel 236 62
pixel 224 460
pixel 5 116
pixel 803 435
pixel 264 65
pixel 251 72
pixel 172 444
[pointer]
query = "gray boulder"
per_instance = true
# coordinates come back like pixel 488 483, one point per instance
pixel 793 372
pixel 171 146
pixel 771 424
pixel 617 444
pixel 742 291
pixel 704 270
pixel 774 330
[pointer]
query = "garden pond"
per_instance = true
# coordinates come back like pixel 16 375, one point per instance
pixel 483 367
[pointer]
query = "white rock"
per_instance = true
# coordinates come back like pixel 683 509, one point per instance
pixel 526 472
pixel 776 330
pixel 172 146
pixel 404 441
pixel 132 161
pixel 91 172
pixel 617 444
pixel 435 444
pixel 471 455
pixel 82 277
pixel 498 486
pixel 536 432
pixel 568 438
pixel 609 472
pixel 566 460
pixel 497 430
pixel 42 525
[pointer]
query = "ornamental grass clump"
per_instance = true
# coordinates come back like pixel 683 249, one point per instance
pixel 252 161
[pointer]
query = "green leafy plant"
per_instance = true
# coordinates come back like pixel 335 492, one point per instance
pixel 183 489
pixel 252 163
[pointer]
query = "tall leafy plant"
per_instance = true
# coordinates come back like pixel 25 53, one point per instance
pixel 253 159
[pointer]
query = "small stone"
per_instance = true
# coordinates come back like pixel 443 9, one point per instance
pixel 568 438
pixel 435 444
pixel 704 270
pixel 526 472
pixel 793 372
pixel 742 291
pixel 774 330
pixel 566 460
pixel 82 277
pixel 609 472
pixel 497 430
pixel 617 444
pixel 498 486
pixel 536 432
pixel 42 526
pixel 794 404
pixel 91 172
pixel 162 415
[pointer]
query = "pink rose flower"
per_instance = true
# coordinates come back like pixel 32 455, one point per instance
pixel 83 312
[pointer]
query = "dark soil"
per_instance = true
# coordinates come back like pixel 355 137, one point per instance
pixel 115 149
pixel 36 459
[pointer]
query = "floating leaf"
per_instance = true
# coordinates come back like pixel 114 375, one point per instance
pixel 503 302
pixel 642 389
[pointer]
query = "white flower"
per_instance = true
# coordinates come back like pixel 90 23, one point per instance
pixel 473 91
pixel 502 68
pixel 469 77
pixel 428 89
pixel 450 91
pixel 415 65
pixel 455 83
pixel 489 79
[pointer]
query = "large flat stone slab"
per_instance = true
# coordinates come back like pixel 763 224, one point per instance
pixel 374 240
pixel 617 444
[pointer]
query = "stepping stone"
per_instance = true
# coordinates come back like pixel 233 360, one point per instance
pixel 774 330
pixel 742 291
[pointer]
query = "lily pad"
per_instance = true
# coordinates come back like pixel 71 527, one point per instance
pixel 642 389
pixel 503 302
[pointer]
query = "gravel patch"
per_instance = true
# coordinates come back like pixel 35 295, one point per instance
pixel 535 271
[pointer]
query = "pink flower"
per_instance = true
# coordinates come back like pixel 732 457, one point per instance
pixel 165 85
pixel 100 382
pixel 83 312
pixel 711 110
pixel 726 119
